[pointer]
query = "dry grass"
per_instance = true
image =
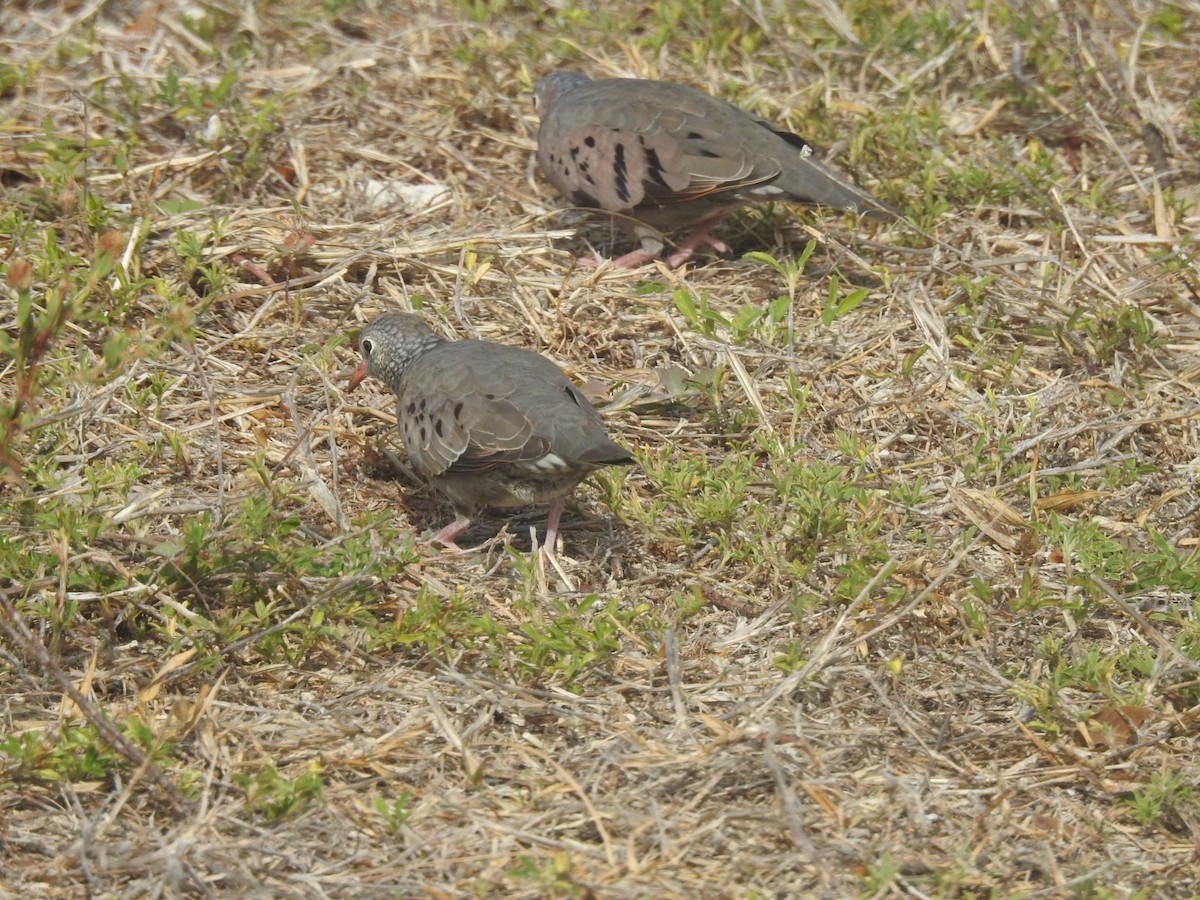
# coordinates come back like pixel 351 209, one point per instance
pixel 892 708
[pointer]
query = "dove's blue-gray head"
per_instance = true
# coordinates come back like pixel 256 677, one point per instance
pixel 551 88
pixel 389 345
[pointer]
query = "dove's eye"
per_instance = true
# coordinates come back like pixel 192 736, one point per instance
pixel 367 346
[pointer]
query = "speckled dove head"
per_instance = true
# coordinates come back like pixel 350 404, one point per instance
pixel 551 88
pixel 390 345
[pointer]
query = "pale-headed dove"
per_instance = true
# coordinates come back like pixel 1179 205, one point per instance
pixel 486 424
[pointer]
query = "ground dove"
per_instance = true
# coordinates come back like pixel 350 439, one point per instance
pixel 662 156
pixel 486 424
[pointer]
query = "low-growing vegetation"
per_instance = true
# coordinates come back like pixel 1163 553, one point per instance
pixel 901 599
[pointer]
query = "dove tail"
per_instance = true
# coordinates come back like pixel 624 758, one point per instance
pixel 813 183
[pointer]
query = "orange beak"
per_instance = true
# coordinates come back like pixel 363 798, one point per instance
pixel 359 374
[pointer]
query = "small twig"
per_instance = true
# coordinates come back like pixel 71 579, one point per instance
pixel 1147 628
pixel 215 421
pixel 825 654
pixel 671 648
pixel 15 629
pixel 789 808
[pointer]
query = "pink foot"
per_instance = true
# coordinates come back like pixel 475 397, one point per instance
pixel 701 237
pixel 630 260
pixel 446 536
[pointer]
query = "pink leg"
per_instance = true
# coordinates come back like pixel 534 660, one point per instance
pixel 701 237
pixel 552 517
pixel 698 238
pixel 446 536
pixel 630 260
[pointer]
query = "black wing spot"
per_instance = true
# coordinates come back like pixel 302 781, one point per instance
pixel 796 141
pixel 656 168
pixel 590 141
pixel 621 171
